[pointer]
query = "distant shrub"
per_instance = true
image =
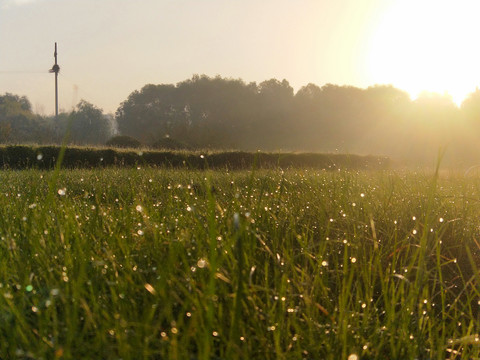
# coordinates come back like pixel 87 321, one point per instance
pixel 168 143
pixel 18 156
pixel 45 157
pixel 124 141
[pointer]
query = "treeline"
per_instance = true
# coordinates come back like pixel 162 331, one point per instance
pixel 85 125
pixel 220 113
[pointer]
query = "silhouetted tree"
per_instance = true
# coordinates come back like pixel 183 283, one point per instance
pixel 228 113
pixel 88 125
pixel 149 113
pixel 217 111
pixel 274 123
pixel 17 121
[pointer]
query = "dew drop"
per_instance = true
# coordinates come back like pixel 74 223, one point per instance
pixel 201 263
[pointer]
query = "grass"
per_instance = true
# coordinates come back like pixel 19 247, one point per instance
pixel 179 264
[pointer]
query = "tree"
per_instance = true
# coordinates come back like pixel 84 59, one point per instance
pixel 218 113
pixel 274 126
pixel 199 112
pixel 88 125
pixel 17 121
pixel 471 107
pixel 149 113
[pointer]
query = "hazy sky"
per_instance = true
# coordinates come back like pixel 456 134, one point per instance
pixel 109 48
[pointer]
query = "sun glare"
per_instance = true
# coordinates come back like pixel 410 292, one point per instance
pixel 427 45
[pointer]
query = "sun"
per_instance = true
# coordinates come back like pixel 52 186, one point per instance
pixel 426 45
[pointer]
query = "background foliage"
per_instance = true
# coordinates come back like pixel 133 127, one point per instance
pixel 222 113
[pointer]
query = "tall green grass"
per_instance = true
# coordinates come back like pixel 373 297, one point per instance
pixel 148 263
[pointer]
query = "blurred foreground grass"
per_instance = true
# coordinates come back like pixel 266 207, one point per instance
pixel 178 264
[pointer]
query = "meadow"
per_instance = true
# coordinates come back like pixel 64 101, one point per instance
pixel 156 263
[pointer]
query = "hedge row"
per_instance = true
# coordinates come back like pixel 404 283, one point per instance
pixel 45 157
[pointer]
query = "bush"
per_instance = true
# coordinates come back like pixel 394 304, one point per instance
pixel 168 143
pixel 124 141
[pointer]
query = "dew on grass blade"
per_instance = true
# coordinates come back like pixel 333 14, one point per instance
pixel 150 289
pixel 236 221
pixel 201 263
pixel 62 191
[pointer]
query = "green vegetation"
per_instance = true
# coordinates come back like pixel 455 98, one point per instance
pixel 178 264
pixel 122 141
pixel 45 157
pixel 223 113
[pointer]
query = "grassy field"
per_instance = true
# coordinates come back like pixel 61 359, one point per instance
pixel 145 263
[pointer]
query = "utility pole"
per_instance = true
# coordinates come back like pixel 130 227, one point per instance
pixel 56 69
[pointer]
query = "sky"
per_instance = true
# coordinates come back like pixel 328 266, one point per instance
pixel 109 48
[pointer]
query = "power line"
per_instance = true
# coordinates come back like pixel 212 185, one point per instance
pixel 22 72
